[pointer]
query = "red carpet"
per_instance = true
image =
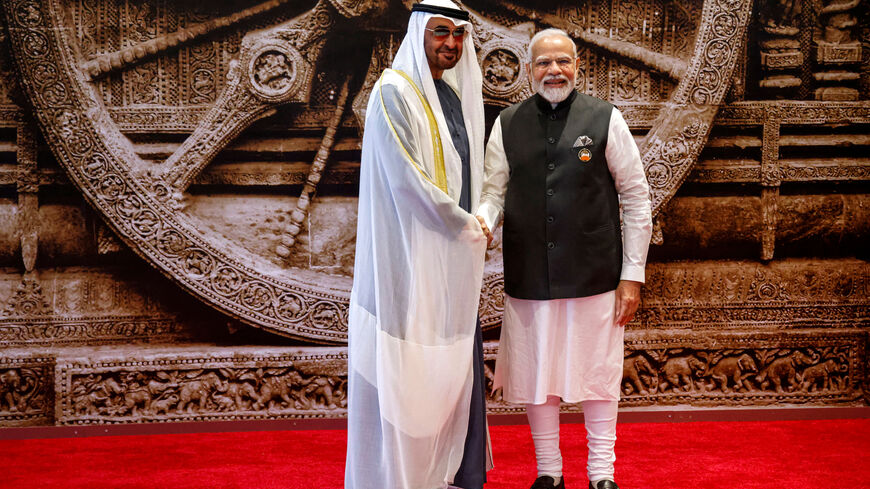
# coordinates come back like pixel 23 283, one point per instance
pixel 726 455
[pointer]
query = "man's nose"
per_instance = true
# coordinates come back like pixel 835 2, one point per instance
pixel 553 68
pixel 451 41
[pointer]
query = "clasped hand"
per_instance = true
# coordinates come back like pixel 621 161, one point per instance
pixel 485 229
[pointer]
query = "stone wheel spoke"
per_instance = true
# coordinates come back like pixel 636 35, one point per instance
pixel 271 71
pixel 129 56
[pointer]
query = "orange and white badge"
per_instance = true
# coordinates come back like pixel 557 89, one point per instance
pixel 584 154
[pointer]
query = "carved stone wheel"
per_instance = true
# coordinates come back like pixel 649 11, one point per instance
pixel 144 202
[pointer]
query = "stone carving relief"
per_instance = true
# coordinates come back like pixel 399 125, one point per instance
pixel 838 51
pixel 144 202
pixel 680 368
pixel 28 300
pixel 780 48
pixel 502 57
pixel 18 388
pixel 205 388
pixel 25 390
pixel 756 296
pixel 273 69
pixel 782 369
pixel 802 372
pixel 72 306
pixel 502 69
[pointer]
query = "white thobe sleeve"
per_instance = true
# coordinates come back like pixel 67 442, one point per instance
pixel 437 209
pixel 623 160
pixel 495 178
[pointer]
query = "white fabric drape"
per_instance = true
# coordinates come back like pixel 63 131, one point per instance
pixel 417 277
pixel 569 348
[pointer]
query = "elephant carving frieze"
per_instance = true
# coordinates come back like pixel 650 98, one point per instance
pixel 733 372
pixel 799 374
pixel 715 370
pixel 240 388
pixel 768 371
pixel 703 369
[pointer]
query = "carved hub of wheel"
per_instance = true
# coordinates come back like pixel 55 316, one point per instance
pixel 144 202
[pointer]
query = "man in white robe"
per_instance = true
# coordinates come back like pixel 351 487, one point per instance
pixel 559 166
pixel 415 407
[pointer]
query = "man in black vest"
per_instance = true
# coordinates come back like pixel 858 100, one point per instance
pixel 559 166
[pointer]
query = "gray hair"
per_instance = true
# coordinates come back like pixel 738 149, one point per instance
pixel 547 33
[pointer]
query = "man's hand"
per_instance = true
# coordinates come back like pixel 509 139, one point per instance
pixel 627 300
pixel 485 229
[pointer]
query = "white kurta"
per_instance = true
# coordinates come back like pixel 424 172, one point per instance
pixel 570 348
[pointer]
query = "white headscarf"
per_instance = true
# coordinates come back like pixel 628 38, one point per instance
pixel 465 78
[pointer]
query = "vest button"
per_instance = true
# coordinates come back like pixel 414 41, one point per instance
pixel 550 218
pixel 550 191
pixel 551 166
pixel 551 140
pixel 552 117
pixel 551 245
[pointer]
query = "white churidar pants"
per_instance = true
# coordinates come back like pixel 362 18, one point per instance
pixel 600 418
pixel 569 349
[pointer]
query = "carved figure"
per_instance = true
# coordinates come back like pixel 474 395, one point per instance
pixel 277 387
pixel 779 13
pixel 319 391
pixel 782 372
pixel 736 369
pixel 680 371
pixel 501 68
pixel 242 394
pixel 164 405
pixel 10 383
pixel 87 403
pixel 96 393
pixel 633 369
pixel 224 402
pixel 114 394
pixel 198 390
pixel 134 398
pixel 494 394
pixel 818 376
pixel 273 69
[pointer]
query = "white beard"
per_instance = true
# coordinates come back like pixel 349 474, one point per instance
pixel 554 95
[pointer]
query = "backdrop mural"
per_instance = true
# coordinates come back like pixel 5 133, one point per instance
pixel 178 197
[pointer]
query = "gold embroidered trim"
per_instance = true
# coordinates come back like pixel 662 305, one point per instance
pixel 440 171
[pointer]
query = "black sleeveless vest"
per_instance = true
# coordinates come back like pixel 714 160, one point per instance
pixel 562 236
